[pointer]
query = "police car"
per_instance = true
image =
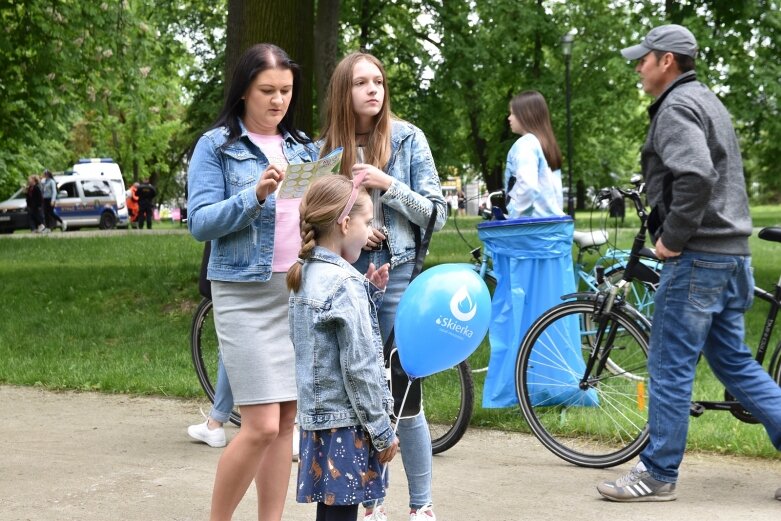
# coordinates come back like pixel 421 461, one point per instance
pixel 92 194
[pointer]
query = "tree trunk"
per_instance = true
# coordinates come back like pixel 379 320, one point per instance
pixel 326 49
pixel 286 23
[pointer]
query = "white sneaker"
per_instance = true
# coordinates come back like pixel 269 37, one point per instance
pixel 64 226
pixel 424 513
pixel 211 437
pixel 378 514
pixel 296 442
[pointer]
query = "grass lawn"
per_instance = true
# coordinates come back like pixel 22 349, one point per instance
pixel 112 314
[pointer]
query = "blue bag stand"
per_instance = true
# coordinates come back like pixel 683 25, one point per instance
pixel 532 260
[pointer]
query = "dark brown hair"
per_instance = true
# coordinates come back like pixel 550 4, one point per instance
pixel 532 113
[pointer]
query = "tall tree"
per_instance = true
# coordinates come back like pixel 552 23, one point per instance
pixel 286 23
pixel 326 49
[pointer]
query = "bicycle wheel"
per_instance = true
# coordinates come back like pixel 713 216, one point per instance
pixel 449 398
pixel 204 348
pixel 603 422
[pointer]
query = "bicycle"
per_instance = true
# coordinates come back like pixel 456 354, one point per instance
pixel 581 376
pixel 452 416
pixel 606 270
pixel 204 349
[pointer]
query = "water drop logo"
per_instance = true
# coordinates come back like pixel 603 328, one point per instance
pixel 442 317
pixel 461 305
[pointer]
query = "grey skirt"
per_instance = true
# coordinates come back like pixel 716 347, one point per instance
pixel 252 327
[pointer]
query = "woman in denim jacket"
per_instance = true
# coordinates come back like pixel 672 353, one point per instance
pixel 344 404
pixel 234 171
pixel 532 177
pixel 400 175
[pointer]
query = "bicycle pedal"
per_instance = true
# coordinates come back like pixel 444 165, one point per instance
pixel 696 410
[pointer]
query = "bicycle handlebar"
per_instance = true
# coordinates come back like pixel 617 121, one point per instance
pixel 634 268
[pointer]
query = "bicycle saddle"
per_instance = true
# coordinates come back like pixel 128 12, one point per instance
pixel 588 239
pixel 771 233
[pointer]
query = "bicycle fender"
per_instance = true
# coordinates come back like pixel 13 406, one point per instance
pixel 581 295
pixel 626 308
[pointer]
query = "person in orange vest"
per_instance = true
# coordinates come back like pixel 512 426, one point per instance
pixel 132 205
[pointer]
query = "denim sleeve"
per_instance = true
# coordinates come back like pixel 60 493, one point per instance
pixel 424 192
pixel 360 357
pixel 210 214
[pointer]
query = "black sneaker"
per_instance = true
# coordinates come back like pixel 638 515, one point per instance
pixel 637 486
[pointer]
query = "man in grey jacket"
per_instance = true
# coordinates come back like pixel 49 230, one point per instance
pixel 700 225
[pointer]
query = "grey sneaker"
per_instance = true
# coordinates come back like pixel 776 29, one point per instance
pixel 778 494
pixel 638 485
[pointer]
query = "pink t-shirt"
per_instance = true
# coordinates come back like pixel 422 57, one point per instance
pixel 287 232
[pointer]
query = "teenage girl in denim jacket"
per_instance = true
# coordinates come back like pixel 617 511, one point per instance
pixel 344 404
pixel 400 175
pixel 234 172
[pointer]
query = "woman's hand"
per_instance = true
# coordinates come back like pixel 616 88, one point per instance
pixel 378 277
pixel 269 181
pixel 375 240
pixel 375 178
pixel 386 455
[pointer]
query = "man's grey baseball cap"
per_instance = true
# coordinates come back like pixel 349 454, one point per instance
pixel 666 38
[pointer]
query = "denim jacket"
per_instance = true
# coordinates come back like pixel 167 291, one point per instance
pixel 339 368
pixel 415 190
pixel 223 208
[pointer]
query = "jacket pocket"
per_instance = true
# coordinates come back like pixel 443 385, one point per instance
pixel 241 168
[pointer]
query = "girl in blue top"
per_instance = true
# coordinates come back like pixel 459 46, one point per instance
pixel 532 177
pixel 344 403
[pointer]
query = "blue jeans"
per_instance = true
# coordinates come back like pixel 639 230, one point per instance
pixel 699 307
pixel 413 433
pixel 223 397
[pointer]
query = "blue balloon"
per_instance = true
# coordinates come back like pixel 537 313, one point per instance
pixel 441 319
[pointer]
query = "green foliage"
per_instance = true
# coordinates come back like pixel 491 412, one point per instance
pixel 139 81
pixel 100 79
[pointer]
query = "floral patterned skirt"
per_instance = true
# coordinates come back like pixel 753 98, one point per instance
pixel 339 467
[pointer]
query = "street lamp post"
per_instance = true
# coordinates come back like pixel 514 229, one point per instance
pixel 566 48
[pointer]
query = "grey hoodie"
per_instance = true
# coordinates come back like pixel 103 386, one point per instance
pixel 694 173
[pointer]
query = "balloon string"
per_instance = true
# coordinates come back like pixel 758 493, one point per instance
pixel 395 428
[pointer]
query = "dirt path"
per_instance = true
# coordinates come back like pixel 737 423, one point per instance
pixel 93 457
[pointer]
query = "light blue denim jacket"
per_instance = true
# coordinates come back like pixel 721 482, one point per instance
pixel 339 368
pixel 415 190
pixel 223 208
pixel 537 191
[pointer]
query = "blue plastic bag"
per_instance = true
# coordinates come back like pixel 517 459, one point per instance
pixel 532 260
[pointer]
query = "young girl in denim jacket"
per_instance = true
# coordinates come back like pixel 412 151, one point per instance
pixel 532 177
pixel 344 404
pixel 402 179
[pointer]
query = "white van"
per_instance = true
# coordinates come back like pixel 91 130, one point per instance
pixel 93 194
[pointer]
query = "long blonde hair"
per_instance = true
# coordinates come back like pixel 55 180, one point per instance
pixel 339 127
pixel 319 209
